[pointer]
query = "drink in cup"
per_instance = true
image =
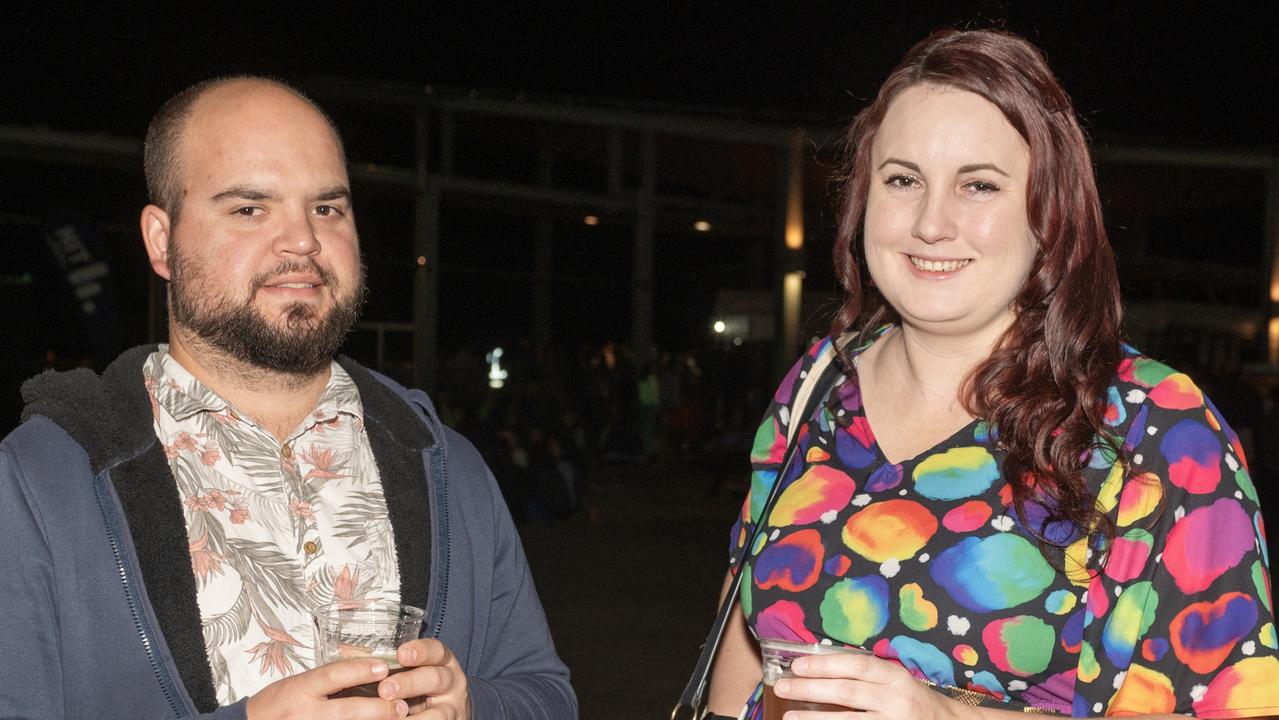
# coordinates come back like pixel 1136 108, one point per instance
pixel 346 630
pixel 778 656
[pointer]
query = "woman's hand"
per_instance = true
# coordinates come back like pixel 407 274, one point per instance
pixel 871 688
pixel 435 687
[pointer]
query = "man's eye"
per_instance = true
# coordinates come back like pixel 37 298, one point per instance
pixel 248 211
pixel 327 210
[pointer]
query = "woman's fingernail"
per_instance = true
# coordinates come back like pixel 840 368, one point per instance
pixel 401 708
pixel 800 664
pixel 389 689
pixel 782 686
pixel 380 668
pixel 410 654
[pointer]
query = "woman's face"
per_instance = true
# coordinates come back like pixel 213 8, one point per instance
pixel 948 242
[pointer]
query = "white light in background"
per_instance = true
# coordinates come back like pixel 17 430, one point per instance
pixel 591 220
pixel 719 326
pixel 497 376
pixel 702 226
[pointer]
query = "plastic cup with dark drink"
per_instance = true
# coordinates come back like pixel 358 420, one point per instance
pixel 778 656
pixel 375 629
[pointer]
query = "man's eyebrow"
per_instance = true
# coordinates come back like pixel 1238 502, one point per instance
pixel 337 192
pixel 244 192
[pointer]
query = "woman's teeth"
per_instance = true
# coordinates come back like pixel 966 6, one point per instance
pixel 938 266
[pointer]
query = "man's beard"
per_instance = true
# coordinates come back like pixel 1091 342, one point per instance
pixel 303 344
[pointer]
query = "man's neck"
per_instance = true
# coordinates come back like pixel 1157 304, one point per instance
pixel 275 401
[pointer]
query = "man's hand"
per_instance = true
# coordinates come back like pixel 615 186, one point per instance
pixel 435 686
pixel 305 695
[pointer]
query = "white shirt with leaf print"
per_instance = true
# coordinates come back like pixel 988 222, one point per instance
pixel 274 529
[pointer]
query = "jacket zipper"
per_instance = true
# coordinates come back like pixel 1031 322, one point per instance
pixel 137 617
pixel 443 515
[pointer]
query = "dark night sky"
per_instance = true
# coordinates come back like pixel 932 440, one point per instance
pixel 1191 73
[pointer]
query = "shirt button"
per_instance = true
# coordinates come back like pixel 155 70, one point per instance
pixel 311 547
pixel 287 452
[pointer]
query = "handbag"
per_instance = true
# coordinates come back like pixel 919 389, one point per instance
pixel 815 386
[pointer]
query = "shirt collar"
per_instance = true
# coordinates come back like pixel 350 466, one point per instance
pixel 182 396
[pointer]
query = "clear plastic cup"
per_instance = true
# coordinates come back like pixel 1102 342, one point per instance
pixel 778 656
pixel 375 629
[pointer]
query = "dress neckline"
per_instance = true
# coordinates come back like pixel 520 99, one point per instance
pixel 850 389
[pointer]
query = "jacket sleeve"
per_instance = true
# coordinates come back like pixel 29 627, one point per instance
pixel 34 681
pixel 517 674
pixel 30 680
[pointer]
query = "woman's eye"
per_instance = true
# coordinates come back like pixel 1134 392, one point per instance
pixel 901 181
pixel 981 186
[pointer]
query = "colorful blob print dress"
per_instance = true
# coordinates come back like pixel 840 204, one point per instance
pixel 926 563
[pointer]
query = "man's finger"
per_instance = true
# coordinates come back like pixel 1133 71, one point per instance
pixel 368 709
pixel 426 680
pixel 424 651
pixel 328 679
pixel 440 712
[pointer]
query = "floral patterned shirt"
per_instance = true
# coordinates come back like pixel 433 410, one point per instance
pixel 274 529
pixel 926 563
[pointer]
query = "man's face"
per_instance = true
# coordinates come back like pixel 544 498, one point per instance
pixel 264 264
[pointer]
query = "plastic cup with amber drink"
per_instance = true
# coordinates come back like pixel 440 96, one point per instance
pixel 778 656
pixel 376 629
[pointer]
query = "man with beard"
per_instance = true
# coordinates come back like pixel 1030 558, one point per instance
pixel 170 524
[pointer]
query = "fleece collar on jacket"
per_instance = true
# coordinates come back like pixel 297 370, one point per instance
pixel 110 417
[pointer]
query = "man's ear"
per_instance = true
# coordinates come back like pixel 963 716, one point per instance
pixel 156 234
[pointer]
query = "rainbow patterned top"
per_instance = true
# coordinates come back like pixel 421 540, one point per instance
pixel 925 562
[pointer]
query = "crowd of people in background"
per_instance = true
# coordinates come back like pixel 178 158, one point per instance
pixel 556 415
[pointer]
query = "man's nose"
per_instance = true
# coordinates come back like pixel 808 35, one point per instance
pixel 297 236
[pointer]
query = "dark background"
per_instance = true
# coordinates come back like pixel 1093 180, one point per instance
pixel 629 577
pixel 1190 75
pixel 1199 73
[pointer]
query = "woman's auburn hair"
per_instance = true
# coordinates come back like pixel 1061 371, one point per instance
pixel 1044 386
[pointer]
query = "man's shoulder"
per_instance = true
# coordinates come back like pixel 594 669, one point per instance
pixel 407 413
pixel 108 415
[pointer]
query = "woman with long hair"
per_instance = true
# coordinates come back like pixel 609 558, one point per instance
pixel 1000 498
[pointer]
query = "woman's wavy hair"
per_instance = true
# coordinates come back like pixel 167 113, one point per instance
pixel 1044 386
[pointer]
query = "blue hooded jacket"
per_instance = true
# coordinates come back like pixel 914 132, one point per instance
pixel 98 610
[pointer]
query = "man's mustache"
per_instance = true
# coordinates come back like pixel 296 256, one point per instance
pixel 326 276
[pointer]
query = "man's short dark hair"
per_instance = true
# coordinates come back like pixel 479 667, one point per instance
pixel 160 151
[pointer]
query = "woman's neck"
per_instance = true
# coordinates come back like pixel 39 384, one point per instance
pixel 930 366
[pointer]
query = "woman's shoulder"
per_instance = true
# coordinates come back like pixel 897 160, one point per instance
pixel 1170 427
pixel 1143 383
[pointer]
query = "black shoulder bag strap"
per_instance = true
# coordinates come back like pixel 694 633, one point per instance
pixel 814 388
